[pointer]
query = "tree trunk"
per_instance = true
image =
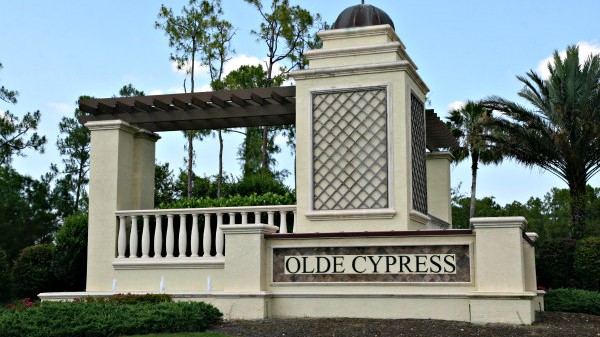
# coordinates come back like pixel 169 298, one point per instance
pixel 578 202
pixel 265 143
pixel 190 165
pixel 220 177
pixel 474 162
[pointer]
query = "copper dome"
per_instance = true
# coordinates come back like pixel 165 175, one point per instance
pixel 362 16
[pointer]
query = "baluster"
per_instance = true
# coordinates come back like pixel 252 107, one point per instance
pixel 206 240
pixel 122 238
pixel 231 218
pixel 257 218
pixel 195 236
pixel 133 238
pixel 294 224
pixel 244 218
pixel 283 222
pixel 158 237
pixel 220 237
pixel 170 236
pixel 271 218
pixel 146 237
pixel 182 235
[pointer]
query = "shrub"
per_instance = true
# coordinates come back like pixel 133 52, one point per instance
pixel 32 271
pixel 5 278
pixel 587 262
pixel 237 200
pixel 130 299
pixel 70 259
pixel 573 300
pixel 554 263
pixel 103 319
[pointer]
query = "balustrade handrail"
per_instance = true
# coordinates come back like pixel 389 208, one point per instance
pixel 179 211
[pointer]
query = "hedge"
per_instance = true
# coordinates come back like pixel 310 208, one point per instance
pixel 32 271
pixel 554 263
pixel 70 258
pixel 5 278
pixel 62 319
pixel 587 263
pixel 573 300
pixel 235 201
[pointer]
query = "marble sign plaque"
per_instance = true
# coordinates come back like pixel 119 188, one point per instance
pixel 421 264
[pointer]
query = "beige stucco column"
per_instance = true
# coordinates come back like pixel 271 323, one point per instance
pixel 438 185
pixel 121 177
pixel 499 254
pixel 244 275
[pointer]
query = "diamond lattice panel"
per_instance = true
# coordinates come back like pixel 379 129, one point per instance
pixel 350 164
pixel 419 175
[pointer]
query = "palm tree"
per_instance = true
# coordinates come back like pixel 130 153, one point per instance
pixel 561 133
pixel 468 125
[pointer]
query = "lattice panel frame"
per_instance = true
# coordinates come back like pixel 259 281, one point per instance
pixel 350 149
pixel 419 155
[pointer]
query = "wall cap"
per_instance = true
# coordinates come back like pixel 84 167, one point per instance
pixel 356 214
pixel 532 236
pixel 248 229
pixel 345 33
pixel 499 222
pixel 361 69
pixel 440 155
pixel 118 124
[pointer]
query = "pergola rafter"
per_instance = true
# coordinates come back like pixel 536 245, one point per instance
pixel 222 109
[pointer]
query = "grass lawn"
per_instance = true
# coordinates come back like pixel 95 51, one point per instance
pixel 185 334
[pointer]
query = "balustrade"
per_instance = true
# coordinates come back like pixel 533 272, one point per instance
pixel 189 242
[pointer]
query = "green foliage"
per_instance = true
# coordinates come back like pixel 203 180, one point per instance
pixel 237 200
pixel 32 271
pixel 164 184
pixel 107 320
pixel 573 300
pixel 554 263
pixel 130 299
pixel 26 212
pixel 5 277
pixel 468 125
pixel 70 260
pixel 587 262
pixel 17 135
pixel 129 90
pixel 74 147
pixel 558 133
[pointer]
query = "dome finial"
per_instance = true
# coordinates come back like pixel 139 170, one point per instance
pixel 361 16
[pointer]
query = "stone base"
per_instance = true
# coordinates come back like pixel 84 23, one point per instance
pixel 467 307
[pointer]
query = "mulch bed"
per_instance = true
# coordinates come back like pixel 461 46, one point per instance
pixel 554 324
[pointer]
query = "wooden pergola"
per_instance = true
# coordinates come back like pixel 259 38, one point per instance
pixel 222 109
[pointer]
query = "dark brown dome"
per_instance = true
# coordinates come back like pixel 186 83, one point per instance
pixel 362 16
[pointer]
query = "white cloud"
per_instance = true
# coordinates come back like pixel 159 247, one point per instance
pixel 156 92
pixel 199 69
pixel 585 50
pixel 241 60
pixel 61 108
pixel 202 71
pixel 456 105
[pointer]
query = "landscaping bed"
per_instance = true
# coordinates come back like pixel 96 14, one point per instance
pixel 554 324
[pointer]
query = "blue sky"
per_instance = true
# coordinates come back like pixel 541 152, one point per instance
pixel 55 51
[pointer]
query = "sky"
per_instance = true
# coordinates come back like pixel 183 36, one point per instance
pixel 55 51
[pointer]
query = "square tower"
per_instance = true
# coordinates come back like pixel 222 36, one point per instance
pixel 361 145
